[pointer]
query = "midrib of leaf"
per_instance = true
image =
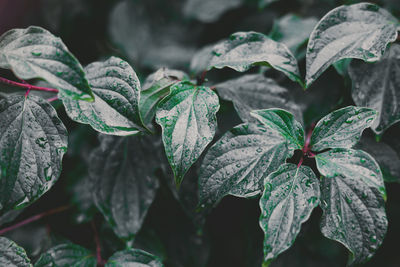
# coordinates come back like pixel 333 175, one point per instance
pixel 385 82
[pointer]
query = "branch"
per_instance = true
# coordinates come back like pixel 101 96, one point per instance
pixel 100 261
pixel 27 86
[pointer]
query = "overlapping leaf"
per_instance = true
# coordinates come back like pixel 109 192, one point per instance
pixel 67 255
pixel 290 195
pixel 123 189
pixel 36 53
pixel 12 255
pixel 342 128
pixel 133 258
pixel 188 120
pixel 117 95
pixel 33 141
pixel 377 86
pixel 357 31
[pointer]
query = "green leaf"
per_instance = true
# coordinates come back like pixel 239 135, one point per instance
pixel 357 31
pixel 33 141
pixel 352 164
pixel 133 258
pixel 283 123
pixel 188 120
pixel 35 53
pixel 209 10
pixel 117 95
pixel 263 3
pixel 293 31
pixel 290 195
pixel 254 91
pixel 377 86
pixel 342 128
pixel 155 88
pixel 354 215
pixel 67 255
pixel 342 66
pixel 239 162
pixel 246 49
pixel 123 189
pixel 12 255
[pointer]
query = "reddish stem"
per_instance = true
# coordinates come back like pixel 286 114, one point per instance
pixel 27 86
pixel 34 218
pixel 100 260
pixel 306 147
pixel 202 78
pixel 213 88
pixel 300 162
pixel 51 99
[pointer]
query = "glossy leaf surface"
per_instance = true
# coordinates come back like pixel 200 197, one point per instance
pixel 12 255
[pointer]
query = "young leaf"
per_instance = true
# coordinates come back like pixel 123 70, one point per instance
pixel 354 215
pixel 290 195
pixel 33 141
pixel 377 86
pixel 117 95
pixel 284 123
pixel 342 128
pixel 208 10
pixel 12 255
pixel 357 31
pixel 351 163
pixel 155 88
pixel 123 189
pixel 133 257
pixel 67 255
pixel 246 49
pixel 188 120
pixel 35 53
pixel 239 162
pixel 254 91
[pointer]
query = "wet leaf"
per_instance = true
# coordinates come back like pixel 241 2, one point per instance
pixel 208 10
pixel 188 120
pixel 354 215
pixel 238 163
pixel 246 49
pixel 123 189
pixel 284 123
pixel 377 86
pixel 155 88
pixel 35 53
pixel 117 94
pixel 12 255
pixel 290 195
pixel 67 255
pixel 351 163
pixel 342 128
pixel 133 258
pixel 33 141
pixel 357 31
pixel 254 91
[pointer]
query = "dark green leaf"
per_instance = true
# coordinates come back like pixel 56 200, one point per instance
pixel 377 86
pixel 12 255
pixel 290 195
pixel 208 10
pixel 155 88
pixel 342 128
pixel 124 184
pixel 239 162
pixel 188 120
pixel 264 3
pixel 254 91
pixel 67 255
pixel 284 124
pixel 36 53
pixel 352 164
pixel 82 199
pixel 354 215
pixel 357 31
pixel 133 258
pixel 342 66
pixel 246 49
pixel 117 95
pixel 33 141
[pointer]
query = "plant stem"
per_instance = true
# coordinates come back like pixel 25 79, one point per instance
pixel 51 99
pixel 100 261
pixel 300 162
pixel 34 218
pixel 306 147
pixel 27 86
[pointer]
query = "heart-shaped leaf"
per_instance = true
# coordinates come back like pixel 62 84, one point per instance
pixel 33 141
pixel 117 94
pixel 188 120
pixel 35 53
pixel 134 258
pixel 12 255
pixel 357 31
pixel 290 195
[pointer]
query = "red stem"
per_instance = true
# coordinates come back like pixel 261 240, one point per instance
pixel 100 261
pixel 306 147
pixel 300 162
pixel 33 218
pixel 27 86
pixel 51 99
